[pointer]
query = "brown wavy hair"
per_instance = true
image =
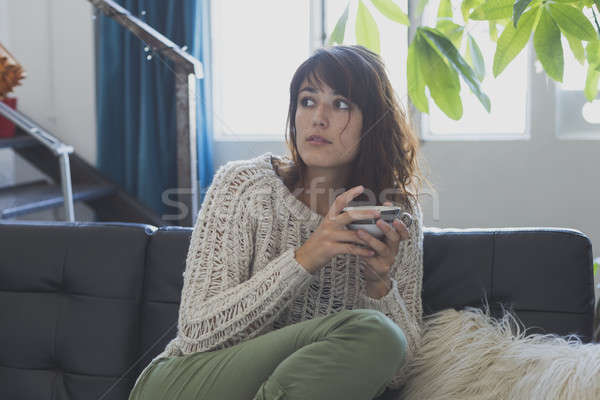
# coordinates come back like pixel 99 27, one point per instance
pixel 389 148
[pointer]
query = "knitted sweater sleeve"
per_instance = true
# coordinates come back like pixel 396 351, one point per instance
pixel 403 303
pixel 221 303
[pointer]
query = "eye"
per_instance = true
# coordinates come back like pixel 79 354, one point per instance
pixel 303 101
pixel 344 102
pixel 340 103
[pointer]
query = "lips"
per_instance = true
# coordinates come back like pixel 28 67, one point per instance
pixel 317 138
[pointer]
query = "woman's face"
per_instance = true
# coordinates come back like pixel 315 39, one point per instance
pixel 322 112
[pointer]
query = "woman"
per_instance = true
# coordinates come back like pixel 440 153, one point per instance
pixel 280 299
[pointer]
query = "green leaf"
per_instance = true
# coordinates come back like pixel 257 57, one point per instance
pixel 548 46
pixel 493 31
pixel 572 21
pixel 592 53
pixel 442 80
pixel 367 33
pixel 444 10
pixel 446 25
pixel 518 8
pixel 493 9
pixel 595 17
pixel 337 36
pixel 416 83
pixel 391 11
pixel 512 41
pixel 591 83
pixel 452 30
pixel 466 7
pixel 421 6
pixel 576 48
pixel 475 57
pixel 445 46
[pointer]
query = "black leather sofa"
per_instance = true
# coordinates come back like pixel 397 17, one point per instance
pixel 85 306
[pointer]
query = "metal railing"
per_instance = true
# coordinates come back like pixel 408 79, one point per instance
pixel 59 149
pixel 187 70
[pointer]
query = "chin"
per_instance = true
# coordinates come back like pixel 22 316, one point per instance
pixel 321 160
pixel 315 156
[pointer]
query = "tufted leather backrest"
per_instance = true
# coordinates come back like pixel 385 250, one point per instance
pixel 69 309
pixel 85 306
pixel 162 291
pixel 544 275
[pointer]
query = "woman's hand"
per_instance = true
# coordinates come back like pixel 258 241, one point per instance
pixel 332 237
pixel 379 265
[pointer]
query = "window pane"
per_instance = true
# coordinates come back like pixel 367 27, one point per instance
pixel 393 40
pixel 507 92
pixel 574 73
pixel 575 115
pixel 257 46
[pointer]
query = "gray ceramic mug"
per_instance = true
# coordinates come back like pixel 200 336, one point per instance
pixel 388 214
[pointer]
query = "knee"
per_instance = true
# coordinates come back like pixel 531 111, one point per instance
pixel 385 339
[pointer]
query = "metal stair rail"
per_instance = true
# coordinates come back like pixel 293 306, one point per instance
pixel 187 70
pixel 58 148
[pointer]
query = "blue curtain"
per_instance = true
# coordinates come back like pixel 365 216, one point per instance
pixel 136 118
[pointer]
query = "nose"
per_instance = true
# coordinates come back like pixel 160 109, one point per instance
pixel 320 117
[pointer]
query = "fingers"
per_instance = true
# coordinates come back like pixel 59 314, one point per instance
pixel 389 231
pixel 402 229
pixel 395 232
pixel 348 248
pixel 343 200
pixel 374 243
pixel 355 215
pixel 348 236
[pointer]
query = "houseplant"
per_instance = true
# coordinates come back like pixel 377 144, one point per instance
pixel 11 73
pixel 439 54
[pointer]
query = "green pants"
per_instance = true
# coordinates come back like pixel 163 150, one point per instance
pixel 348 355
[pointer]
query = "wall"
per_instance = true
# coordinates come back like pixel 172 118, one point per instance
pixel 54 41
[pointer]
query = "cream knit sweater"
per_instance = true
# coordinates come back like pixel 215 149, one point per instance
pixel 242 280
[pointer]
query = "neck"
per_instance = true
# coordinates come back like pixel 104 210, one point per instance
pixel 321 186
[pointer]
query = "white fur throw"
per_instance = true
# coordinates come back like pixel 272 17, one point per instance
pixel 468 355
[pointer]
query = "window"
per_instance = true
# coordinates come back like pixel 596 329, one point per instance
pixel 255 56
pixel 508 93
pixel 393 37
pixel 576 118
pixel 266 70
